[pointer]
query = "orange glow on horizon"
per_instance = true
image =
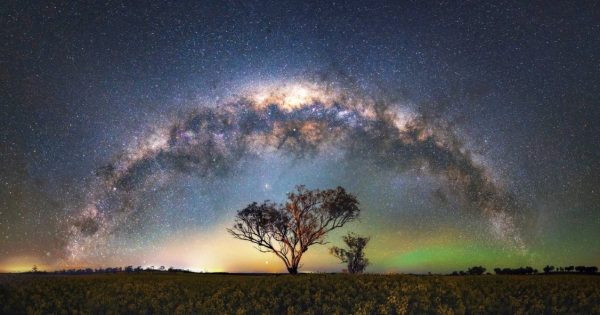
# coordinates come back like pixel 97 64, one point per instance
pixel 22 264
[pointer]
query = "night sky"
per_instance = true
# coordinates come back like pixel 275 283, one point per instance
pixel 131 135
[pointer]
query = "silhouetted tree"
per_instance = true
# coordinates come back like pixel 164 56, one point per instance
pixel 354 256
pixel 584 269
pixel 570 268
pixel 288 230
pixel 529 270
pixel 34 268
pixel 477 270
pixel 548 269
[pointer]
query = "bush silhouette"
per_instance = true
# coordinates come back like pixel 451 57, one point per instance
pixel 354 256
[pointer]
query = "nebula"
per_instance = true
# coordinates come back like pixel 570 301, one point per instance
pixel 300 120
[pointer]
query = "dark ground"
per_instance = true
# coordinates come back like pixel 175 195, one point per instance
pixel 188 293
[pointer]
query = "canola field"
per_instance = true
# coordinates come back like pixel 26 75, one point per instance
pixel 180 293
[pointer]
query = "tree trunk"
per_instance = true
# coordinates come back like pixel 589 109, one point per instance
pixel 293 270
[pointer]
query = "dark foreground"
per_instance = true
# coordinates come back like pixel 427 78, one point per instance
pixel 168 293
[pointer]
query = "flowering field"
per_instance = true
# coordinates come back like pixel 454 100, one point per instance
pixel 175 293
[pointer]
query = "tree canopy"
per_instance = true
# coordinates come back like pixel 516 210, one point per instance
pixel 288 230
pixel 354 256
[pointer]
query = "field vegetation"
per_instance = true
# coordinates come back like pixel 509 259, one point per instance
pixel 188 293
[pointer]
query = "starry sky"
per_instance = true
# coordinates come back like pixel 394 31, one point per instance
pixel 131 134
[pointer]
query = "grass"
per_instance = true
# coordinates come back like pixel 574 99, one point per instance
pixel 178 293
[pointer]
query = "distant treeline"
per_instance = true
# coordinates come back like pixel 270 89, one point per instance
pixel 479 270
pixel 476 270
pixel 580 269
pixel 128 269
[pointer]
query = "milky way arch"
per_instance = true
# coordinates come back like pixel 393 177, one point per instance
pixel 300 121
